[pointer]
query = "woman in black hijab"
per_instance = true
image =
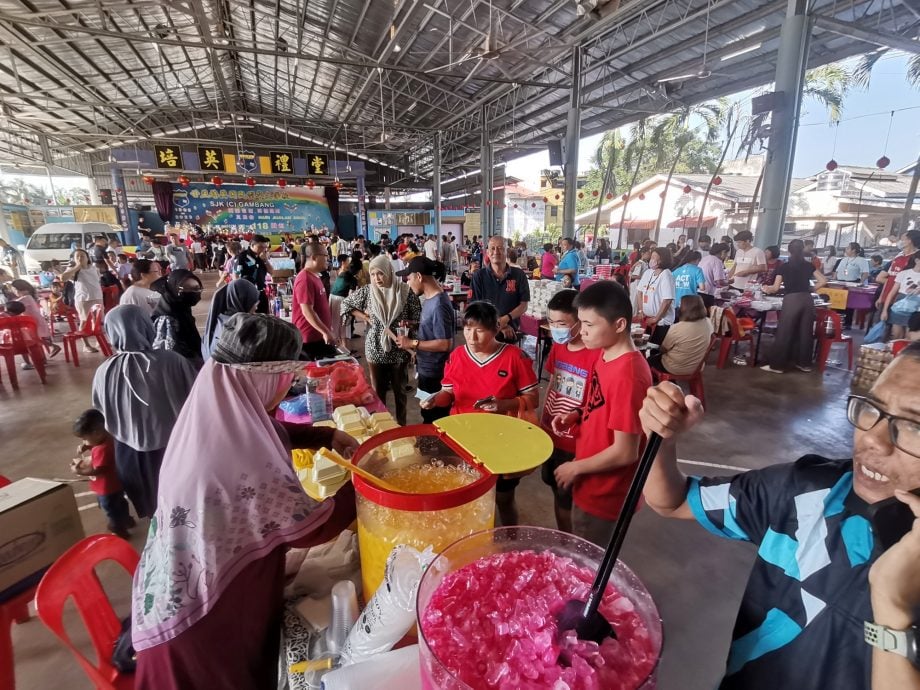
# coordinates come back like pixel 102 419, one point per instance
pixel 173 319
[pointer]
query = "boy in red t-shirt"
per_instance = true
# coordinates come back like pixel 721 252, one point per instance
pixel 569 366
pixel 100 467
pixel 610 437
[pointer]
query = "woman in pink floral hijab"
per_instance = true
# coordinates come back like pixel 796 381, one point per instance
pixel 207 600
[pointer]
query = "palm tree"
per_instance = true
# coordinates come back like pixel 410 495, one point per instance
pixel 635 149
pixel 674 126
pixel 731 127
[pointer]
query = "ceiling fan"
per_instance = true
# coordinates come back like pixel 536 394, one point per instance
pixel 702 72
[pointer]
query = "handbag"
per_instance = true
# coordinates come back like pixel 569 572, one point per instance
pixel 165 338
pixel 907 305
pixel 876 334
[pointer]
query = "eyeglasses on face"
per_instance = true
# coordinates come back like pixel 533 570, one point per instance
pixel 865 414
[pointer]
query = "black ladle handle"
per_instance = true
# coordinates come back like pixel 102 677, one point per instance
pixel 619 531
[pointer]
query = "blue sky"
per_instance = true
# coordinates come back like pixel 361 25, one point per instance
pixel 860 137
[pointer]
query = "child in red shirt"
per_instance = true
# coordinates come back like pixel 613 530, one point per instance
pixel 100 467
pixel 488 376
pixel 569 366
pixel 610 437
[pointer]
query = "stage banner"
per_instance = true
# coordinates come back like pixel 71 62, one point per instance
pixel 263 208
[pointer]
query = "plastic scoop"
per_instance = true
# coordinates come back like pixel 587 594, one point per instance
pixel 582 616
pixel 364 474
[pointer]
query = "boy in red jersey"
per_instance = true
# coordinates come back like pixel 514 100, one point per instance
pixel 610 437
pixel 569 366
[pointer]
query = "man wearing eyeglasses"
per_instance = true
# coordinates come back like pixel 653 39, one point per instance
pixel 801 621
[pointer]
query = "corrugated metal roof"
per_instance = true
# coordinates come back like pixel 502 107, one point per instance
pixel 77 78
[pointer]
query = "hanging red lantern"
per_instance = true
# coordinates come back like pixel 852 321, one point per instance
pixel 609 196
pixel 625 197
pixel 883 162
pixel 337 185
pixel 687 189
pixel 581 195
pixel 217 181
pixel 595 193
pixel 831 165
pixel 149 179
pixel 310 184
pixel 282 183
pixel 533 205
pixel 545 200
pixel 251 181
pixel 641 197
pixel 515 206
pixel 557 197
pixel 661 195
pixel 717 180
pixel 184 181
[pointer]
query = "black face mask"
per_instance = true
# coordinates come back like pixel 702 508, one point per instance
pixel 191 298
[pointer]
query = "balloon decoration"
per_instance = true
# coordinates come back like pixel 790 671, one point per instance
pixel 282 183
pixel 310 184
pixel 251 181
pixel 184 181
pixel 717 180
pixel 687 189
pixel 883 162
pixel 217 181
pixel 831 165
pixel 149 179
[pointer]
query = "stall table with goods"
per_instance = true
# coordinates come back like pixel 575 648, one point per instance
pixel 431 569
pixel 860 298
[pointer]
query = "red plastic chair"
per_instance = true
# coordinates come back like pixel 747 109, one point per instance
pixel 74 575
pixel 63 310
pixel 91 328
pixel 694 380
pixel 734 335
pixel 19 336
pixel 829 330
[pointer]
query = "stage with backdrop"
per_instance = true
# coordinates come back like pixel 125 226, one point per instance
pixel 262 208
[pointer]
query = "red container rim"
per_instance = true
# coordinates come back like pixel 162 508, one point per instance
pixel 420 502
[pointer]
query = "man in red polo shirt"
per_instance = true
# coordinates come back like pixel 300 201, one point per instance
pixel 909 244
pixel 310 305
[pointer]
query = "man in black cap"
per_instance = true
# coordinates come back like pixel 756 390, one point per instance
pixel 435 337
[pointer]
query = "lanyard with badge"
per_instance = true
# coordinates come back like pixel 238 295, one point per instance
pixel 653 281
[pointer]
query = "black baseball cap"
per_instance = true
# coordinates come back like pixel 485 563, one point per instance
pixel 419 264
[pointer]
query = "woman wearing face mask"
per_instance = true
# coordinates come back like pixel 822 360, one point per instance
pixel 236 297
pixel 383 305
pixel 139 392
pixel 173 319
pixel 208 595
pixel 569 367
pixel 486 375
pixel 656 294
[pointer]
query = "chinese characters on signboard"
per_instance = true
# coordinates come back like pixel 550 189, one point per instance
pixel 282 162
pixel 168 157
pixel 317 164
pixel 211 158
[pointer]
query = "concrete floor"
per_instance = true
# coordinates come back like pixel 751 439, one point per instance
pixel 755 419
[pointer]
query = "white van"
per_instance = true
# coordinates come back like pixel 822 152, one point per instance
pixel 58 240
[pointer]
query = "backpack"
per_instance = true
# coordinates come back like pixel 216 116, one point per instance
pixel 68 294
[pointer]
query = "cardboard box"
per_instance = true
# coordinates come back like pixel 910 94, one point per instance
pixel 39 521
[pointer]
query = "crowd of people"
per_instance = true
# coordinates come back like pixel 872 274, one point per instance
pixel 208 599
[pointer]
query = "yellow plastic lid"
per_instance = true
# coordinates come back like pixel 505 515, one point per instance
pixel 501 444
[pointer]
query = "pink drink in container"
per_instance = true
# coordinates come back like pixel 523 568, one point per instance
pixel 487 610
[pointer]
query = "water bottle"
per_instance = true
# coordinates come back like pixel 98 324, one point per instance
pixel 319 395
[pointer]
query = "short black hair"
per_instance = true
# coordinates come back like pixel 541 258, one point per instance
pixel 705 238
pixel 90 422
pixel 262 239
pixel 744 236
pixel 718 248
pixel 483 313
pixel 913 323
pixel 877 258
pixel 665 260
pixel 774 250
pixel 607 298
pixel 914 237
pixel 15 308
pixel 548 247
pixel 564 301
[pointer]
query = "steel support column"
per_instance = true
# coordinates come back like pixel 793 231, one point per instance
pixel 792 57
pixel 436 183
pixel 572 136
pixel 485 156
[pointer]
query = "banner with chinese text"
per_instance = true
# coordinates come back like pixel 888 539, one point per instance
pixel 240 208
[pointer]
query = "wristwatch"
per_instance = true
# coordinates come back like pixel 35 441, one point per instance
pixel 415 344
pixel 903 642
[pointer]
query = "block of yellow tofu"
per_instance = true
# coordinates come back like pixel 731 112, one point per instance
pixel 378 417
pixel 325 471
pixel 385 426
pixel 351 420
pixel 400 449
pixel 326 423
pixel 344 411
